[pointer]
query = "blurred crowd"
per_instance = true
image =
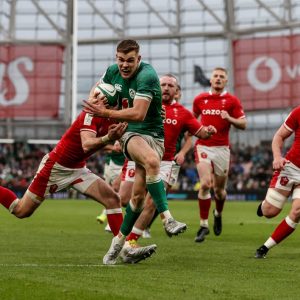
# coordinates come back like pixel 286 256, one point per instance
pixel 250 168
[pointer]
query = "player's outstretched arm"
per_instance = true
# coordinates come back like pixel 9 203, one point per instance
pixel 90 142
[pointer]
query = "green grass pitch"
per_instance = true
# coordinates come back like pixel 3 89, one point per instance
pixel 57 254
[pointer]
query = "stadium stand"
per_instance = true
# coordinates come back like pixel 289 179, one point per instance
pixel 250 169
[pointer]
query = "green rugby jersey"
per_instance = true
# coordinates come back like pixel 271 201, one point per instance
pixel 144 83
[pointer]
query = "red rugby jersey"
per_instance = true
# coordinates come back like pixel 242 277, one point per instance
pixel 68 152
pixel 178 119
pixel 209 106
pixel 292 123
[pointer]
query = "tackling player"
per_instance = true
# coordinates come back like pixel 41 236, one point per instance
pixel 65 167
pixel 220 109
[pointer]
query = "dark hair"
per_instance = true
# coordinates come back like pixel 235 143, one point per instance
pixel 126 46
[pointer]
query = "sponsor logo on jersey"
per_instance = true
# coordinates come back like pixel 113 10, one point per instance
pixel 205 101
pixel 132 93
pixel 284 180
pixel 212 112
pixel 170 121
pixel 88 120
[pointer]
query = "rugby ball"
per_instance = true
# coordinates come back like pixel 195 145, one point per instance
pixel 109 91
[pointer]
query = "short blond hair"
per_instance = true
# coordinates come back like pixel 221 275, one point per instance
pixel 220 69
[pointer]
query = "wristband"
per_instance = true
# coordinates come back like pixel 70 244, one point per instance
pixel 105 139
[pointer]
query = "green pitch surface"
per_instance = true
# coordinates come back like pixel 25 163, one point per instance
pixel 57 254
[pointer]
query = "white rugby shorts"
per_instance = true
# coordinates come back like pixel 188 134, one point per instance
pixel 218 157
pixel 52 177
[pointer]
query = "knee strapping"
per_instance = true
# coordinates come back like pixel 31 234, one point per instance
pixel 275 198
pixel 13 205
pixel 296 194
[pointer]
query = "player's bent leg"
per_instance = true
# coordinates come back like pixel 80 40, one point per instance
pixel 287 225
pixel 24 207
pixel 281 232
pixel 8 198
pixel 104 194
pixel 125 192
pixel 295 210
pixel 156 189
pixel 274 202
pixel 147 214
pixel 100 191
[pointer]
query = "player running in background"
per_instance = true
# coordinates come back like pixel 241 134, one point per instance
pixel 65 167
pixel 183 145
pixel 178 119
pixel 284 183
pixel 220 109
pixel 143 141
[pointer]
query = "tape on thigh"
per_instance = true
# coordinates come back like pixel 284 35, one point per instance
pixel 296 194
pixel 275 198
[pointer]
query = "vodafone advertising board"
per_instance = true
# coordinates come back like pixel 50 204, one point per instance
pixel 267 72
pixel 30 81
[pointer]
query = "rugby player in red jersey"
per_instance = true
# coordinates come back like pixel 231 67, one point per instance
pixel 284 183
pixel 220 109
pixel 65 167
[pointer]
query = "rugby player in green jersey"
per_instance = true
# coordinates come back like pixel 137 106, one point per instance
pixel 143 142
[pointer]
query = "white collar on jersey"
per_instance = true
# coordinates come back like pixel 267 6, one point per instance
pixel 222 94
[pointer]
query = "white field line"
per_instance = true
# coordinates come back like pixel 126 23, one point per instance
pixel 56 266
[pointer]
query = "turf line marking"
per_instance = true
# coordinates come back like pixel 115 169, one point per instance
pixel 57 266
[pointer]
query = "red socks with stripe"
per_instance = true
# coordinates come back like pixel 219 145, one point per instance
pixel 7 197
pixel 204 207
pixel 114 219
pixel 283 230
